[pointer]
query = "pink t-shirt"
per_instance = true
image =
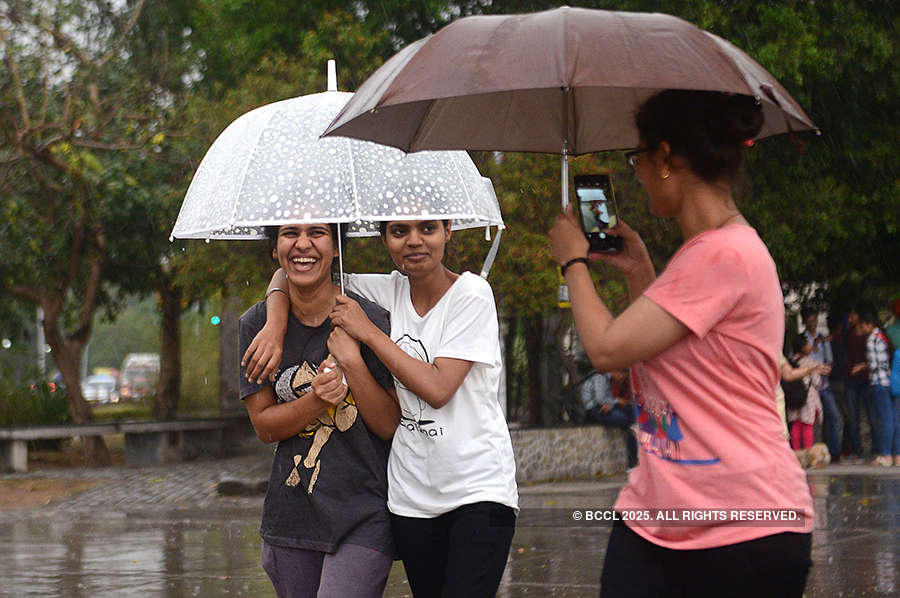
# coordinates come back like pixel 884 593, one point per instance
pixel 711 437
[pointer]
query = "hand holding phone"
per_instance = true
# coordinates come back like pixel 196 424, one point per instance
pixel 596 207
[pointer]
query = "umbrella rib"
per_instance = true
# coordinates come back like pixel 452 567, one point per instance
pixel 464 185
pixel 354 190
pixel 246 168
pixel 415 137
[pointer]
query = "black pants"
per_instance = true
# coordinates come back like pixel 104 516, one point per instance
pixel 460 554
pixel 774 566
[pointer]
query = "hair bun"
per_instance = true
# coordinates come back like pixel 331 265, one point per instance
pixel 743 118
pixel 709 128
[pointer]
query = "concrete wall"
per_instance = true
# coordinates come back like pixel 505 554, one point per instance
pixel 576 452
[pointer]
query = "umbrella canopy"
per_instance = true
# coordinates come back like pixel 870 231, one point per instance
pixel 270 167
pixel 564 81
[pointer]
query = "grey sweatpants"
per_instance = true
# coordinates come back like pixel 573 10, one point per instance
pixel 351 572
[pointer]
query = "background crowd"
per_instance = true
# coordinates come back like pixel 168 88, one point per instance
pixel 849 369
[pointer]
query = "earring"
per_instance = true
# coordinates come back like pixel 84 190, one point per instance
pixel 664 174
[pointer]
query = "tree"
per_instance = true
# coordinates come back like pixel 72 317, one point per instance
pixel 71 106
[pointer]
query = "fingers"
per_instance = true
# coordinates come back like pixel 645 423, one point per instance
pixel 250 358
pixel 339 335
pixel 261 361
pixel 248 354
pixel 272 366
pixel 566 239
pixel 328 383
pixel 255 365
pixel 350 317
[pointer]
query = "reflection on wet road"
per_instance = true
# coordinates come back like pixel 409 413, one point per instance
pixel 213 549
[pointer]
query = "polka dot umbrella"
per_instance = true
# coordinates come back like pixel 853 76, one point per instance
pixel 270 167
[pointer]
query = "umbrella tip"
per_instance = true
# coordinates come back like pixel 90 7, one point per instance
pixel 332 76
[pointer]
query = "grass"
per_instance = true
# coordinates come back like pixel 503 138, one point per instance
pixel 144 410
pixel 118 411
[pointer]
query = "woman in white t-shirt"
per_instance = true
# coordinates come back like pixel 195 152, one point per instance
pixel 451 472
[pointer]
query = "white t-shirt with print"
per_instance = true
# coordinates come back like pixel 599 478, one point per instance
pixel 459 454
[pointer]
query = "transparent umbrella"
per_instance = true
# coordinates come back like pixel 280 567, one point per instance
pixel 270 167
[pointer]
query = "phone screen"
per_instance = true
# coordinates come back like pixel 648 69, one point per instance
pixel 595 215
pixel 597 211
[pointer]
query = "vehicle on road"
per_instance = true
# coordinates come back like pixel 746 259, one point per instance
pixel 139 376
pixel 100 388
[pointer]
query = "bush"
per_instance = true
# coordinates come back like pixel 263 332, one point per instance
pixel 37 404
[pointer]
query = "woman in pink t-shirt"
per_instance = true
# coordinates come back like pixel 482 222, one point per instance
pixel 718 505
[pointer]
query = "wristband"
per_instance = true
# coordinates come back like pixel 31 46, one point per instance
pixel 574 260
pixel 273 289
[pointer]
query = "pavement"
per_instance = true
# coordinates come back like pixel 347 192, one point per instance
pixel 166 531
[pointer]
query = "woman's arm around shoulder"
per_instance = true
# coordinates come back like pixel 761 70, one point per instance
pixel 263 356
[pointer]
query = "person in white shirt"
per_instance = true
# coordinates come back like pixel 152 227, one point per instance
pixel 451 471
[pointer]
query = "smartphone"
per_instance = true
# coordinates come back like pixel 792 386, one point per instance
pixel 596 207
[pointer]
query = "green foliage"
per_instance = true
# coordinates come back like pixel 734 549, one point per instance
pixel 199 360
pixel 31 403
pixel 237 35
pixel 134 330
pixel 187 69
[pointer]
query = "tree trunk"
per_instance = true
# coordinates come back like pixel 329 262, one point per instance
pixel 67 355
pixel 165 404
pixel 534 345
pixel 229 360
pixel 551 369
pixel 513 396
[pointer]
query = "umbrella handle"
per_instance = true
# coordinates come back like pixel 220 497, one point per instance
pixel 492 254
pixel 340 258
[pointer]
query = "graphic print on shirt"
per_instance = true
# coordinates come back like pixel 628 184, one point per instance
pixel 658 430
pixel 415 420
pixel 291 384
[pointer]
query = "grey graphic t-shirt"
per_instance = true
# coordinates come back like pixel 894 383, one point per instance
pixel 329 483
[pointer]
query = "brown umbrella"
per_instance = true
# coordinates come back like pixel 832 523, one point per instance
pixel 565 81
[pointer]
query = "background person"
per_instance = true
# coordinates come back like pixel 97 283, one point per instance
pixel 325 525
pixel 820 352
pixel 878 368
pixel 451 491
pixel 836 329
pixel 856 384
pixel 702 342
pixel 607 401
pixel 892 330
pixel 789 373
pixel 802 420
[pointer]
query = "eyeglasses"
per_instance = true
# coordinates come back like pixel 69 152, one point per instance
pixel 633 157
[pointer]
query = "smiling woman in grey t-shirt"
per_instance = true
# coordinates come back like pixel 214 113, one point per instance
pixel 325 525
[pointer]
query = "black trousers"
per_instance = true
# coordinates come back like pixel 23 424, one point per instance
pixel 775 566
pixel 460 554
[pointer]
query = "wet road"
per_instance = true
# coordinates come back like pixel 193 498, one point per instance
pixel 163 532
